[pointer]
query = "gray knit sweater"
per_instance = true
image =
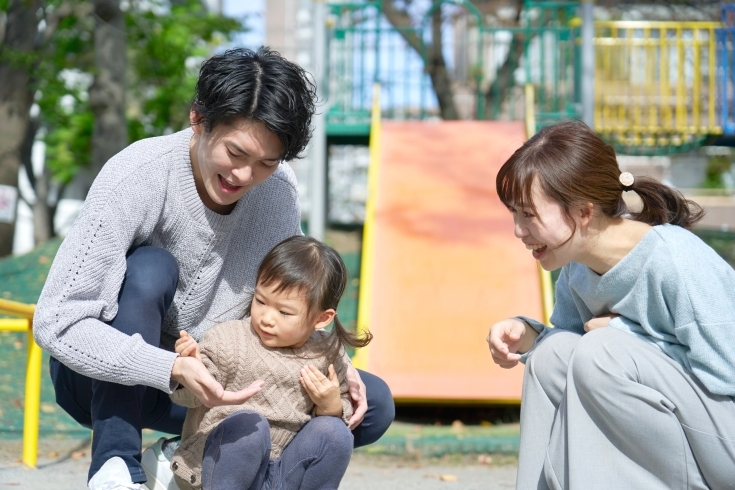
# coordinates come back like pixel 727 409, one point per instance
pixel 672 290
pixel 145 195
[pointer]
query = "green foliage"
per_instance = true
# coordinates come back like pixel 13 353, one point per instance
pixel 716 166
pixel 165 49
pixel 165 52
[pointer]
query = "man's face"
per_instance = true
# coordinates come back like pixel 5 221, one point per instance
pixel 231 159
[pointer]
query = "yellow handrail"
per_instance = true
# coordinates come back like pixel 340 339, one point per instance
pixel 653 81
pixel 364 304
pixel 33 374
pixel 547 287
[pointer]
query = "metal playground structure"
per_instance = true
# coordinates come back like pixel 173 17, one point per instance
pixel 659 87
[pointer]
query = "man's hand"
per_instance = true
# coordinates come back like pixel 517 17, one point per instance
pixel 186 346
pixel 599 322
pixel 192 374
pixel 509 339
pixel 323 391
pixel 358 392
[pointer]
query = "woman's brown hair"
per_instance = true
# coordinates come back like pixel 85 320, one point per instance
pixel 316 270
pixel 575 167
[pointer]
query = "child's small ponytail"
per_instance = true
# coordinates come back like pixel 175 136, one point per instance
pixel 340 336
pixel 663 204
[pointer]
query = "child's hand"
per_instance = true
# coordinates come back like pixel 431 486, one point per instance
pixel 186 346
pixel 323 391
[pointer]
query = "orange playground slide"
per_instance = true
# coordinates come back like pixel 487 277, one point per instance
pixel 443 263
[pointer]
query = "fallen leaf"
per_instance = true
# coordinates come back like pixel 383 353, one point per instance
pixel 48 408
pixel 448 477
pixel 484 459
pixel 78 454
pixel 53 455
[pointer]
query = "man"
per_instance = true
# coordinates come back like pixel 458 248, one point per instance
pixel 169 239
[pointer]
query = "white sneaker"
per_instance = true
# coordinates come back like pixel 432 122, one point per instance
pixel 157 468
pixel 113 475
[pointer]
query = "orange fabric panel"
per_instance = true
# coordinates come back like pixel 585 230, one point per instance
pixel 447 265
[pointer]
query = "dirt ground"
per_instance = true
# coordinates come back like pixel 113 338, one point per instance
pixel 63 465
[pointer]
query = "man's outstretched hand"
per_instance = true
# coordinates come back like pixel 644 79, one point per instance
pixel 193 375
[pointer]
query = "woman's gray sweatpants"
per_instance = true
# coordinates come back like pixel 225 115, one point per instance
pixel 607 410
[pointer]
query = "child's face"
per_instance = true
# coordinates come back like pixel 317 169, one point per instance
pixel 545 232
pixel 281 319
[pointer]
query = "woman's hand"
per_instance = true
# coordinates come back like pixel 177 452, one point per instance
pixel 186 346
pixel 599 322
pixel 193 375
pixel 323 391
pixel 509 339
pixel 358 392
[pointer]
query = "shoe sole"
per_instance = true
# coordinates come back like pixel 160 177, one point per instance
pixel 156 484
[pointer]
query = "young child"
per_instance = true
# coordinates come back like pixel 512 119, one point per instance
pixel 647 403
pixel 292 434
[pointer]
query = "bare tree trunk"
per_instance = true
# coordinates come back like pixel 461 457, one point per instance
pixel 21 29
pixel 107 93
pixel 43 226
pixel 504 83
pixel 435 64
pixel 437 68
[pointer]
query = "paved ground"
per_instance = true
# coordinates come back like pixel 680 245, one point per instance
pixel 63 466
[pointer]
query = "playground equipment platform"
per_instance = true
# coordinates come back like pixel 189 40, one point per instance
pixel 441 263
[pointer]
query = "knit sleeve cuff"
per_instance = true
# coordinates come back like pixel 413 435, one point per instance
pixel 538 327
pixel 152 366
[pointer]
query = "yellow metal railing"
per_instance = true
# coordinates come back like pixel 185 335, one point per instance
pixel 33 374
pixel 547 286
pixel 655 82
pixel 364 303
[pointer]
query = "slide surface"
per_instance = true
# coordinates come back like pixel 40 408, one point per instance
pixel 445 263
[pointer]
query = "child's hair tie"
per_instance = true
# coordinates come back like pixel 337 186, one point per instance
pixel 627 179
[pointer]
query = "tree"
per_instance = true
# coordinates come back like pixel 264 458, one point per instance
pixel 107 93
pixel 72 70
pixel 19 29
pixel 398 13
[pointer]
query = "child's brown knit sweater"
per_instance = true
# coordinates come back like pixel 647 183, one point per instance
pixel 235 356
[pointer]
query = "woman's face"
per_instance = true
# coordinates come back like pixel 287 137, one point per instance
pixel 546 232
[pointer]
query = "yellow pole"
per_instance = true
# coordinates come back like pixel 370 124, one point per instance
pixel 712 76
pixel 33 374
pixel 696 124
pixel 680 94
pixel 13 325
pixel 530 110
pixel 17 309
pixel 547 295
pixel 32 402
pixel 364 304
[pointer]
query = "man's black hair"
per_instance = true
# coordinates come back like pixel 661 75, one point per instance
pixel 262 86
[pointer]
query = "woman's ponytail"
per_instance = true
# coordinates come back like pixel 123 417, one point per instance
pixel 663 204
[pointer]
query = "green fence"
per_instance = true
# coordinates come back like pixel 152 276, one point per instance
pixel 486 62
